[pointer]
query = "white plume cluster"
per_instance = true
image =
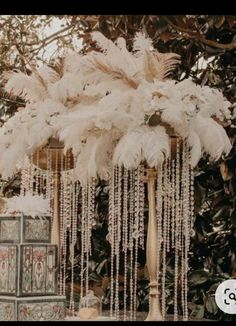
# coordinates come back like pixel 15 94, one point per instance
pixel 34 206
pixel 99 104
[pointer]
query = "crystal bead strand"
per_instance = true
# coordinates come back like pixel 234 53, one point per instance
pixel 87 244
pixel 136 233
pixel 169 193
pixel 83 239
pixel 24 187
pixel 51 175
pixel 173 200
pixel 118 238
pixel 36 172
pixel 73 242
pixel 61 240
pixel 159 204
pixel 125 236
pixel 183 224
pixel 177 221
pixel 48 177
pixel 191 198
pixel 67 216
pixel 112 234
pixel 164 232
pixel 187 229
pixel 91 208
pixel 131 242
pixel 141 207
pixel 31 175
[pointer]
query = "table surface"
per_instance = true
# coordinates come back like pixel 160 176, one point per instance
pixel 141 315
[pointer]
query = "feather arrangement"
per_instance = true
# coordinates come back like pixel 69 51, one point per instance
pixel 35 206
pixel 99 103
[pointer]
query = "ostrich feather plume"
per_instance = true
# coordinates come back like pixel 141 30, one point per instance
pixel 34 206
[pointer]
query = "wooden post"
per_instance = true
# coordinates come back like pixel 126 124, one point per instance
pixel 151 251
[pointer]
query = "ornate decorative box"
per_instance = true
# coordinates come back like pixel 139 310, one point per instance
pixel 32 308
pixel 28 270
pixel 25 229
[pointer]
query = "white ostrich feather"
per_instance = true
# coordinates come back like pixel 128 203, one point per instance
pixel 103 43
pixel 105 149
pixel 81 169
pixel 155 146
pixel 128 151
pixel 48 74
pixel 143 143
pixel 141 44
pixel 28 87
pixel 72 62
pixel 212 136
pixel 195 147
pixel 68 86
pixel 34 206
pixel 121 43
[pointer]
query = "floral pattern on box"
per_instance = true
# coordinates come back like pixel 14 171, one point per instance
pixel 39 270
pixel 7 311
pixel 8 264
pixel 36 230
pixel 9 230
pixel 41 311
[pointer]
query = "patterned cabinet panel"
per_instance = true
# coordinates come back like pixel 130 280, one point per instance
pixel 28 269
pixel 38 274
pixel 7 309
pixel 10 229
pixel 25 229
pixel 47 308
pixel 36 230
pixel 8 269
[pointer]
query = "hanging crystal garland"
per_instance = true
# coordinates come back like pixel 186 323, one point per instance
pixel 83 239
pixel 131 242
pixel 46 170
pixel 125 237
pixel 111 234
pixel 87 223
pixel 125 234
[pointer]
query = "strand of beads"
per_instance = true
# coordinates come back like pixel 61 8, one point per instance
pixel 141 207
pixel 187 221
pixel 118 178
pixel 111 234
pixel 73 241
pixel 136 234
pixel 125 236
pixel 60 249
pixel 83 239
pixel 169 193
pixel 177 222
pixel 173 201
pixel 131 242
pixel 24 187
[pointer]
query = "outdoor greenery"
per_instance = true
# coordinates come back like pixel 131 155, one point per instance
pixel 207 45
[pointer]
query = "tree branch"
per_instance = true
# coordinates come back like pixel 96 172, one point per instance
pixel 198 36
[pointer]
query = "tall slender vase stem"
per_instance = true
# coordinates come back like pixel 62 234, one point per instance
pixel 56 211
pixel 151 251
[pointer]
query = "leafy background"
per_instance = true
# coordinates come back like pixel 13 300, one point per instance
pixel 194 37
